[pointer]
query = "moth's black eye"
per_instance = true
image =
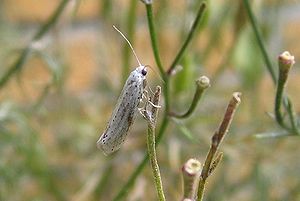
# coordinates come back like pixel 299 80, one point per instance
pixel 144 72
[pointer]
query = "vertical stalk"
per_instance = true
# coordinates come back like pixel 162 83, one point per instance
pixel 285 62
pixel 189 38
pixel 151 118
pixel 127 186
pixel 154 40
pixel 191 171
pixel 216 141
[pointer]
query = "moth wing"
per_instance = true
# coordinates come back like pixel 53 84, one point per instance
pixel 123 116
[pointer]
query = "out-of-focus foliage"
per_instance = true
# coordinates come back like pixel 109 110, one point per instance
pixel 54 108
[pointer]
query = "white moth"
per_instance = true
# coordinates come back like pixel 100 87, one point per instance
pixel 124 113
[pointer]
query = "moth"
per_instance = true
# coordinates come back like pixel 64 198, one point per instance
pixel 125 110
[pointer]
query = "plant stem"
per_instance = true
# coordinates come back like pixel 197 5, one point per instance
pixel 292 117
pixel 153 161
pixel 188 39
pixel 278 101
pixel 216 141
pixel 154 40
pixel 151 145
pixel 202 84
pixel 285 62
pixel 279 93
pixel 259 40
pixel 126 187
pixel 191 171
pixel 17 65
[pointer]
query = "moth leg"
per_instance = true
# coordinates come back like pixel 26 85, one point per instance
pixel 143 110
pixel 148 98
pixel 144 96
pixel 144 113
pixel 153 105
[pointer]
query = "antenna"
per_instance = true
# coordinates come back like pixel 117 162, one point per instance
pixel 128 44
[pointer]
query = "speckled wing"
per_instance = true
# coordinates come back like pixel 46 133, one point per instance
pixel 123 115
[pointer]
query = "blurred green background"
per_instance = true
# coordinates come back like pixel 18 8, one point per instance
pixel 57 102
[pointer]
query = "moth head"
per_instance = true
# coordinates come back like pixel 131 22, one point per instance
pixel 142 70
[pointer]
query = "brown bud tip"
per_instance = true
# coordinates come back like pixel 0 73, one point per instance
pixel 192 167
pixel 203 82
pixel 286 60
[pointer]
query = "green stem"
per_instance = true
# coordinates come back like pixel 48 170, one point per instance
pixel 279 93
pixel 259 40
pixel 131 19
pixel 202 84
pixel 151 145
pixel 292 117
pixel 26 51
pixel 189 38
pixel 285 62
pixel 126 187
pixel 154 40
pixel 278 100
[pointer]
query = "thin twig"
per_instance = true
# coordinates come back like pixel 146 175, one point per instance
pixel 154 40
pixel 216 141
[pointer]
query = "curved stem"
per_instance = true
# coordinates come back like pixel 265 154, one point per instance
pixel 279 93
pixel 202 84
pixel 189 38
pixel 154 40
pixel 285 62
